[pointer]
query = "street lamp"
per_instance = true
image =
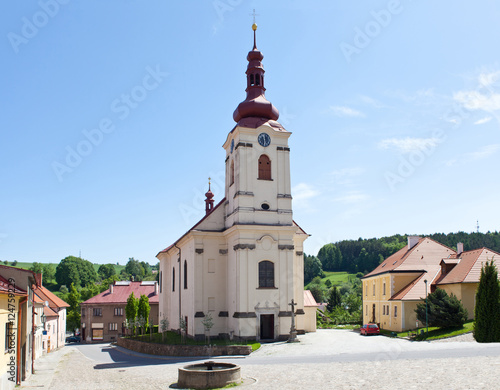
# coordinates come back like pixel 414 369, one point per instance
pixel 426 312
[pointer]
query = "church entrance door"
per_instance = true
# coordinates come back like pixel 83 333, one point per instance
pixel 267 326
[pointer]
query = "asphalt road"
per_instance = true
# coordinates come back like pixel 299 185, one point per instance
pixel 324 346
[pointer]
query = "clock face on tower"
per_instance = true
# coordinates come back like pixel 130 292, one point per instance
pixel 264 139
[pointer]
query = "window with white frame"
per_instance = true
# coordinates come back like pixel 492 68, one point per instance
pixel 118 311
pixel 113 326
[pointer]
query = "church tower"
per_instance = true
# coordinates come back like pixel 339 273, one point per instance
pixel 257 157
pixel 242 263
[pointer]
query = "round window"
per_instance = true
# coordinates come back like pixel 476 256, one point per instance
pixel 264 206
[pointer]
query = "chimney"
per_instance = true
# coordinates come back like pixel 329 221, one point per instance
pixel 111 288
pixel 460 248
pixel 412 241
pixel 156 288
pixel 38 279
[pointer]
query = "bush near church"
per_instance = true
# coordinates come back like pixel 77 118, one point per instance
pixel 443 310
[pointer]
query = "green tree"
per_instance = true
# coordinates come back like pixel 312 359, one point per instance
pixel 318 292
pixel 75 270
pixel 37 268
pixel 328 283
pixel 487 310
pixel 89 291
pixel 106 271
pixel 49 272
pixel 143 309
pixel 74 312
pixel 334 299
pixel 131 308
pixel 135 269
pixel 312 268
pixel 63 289
pixel 443 310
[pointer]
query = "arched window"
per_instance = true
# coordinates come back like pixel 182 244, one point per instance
pixel 231 173
pixel 257 79
pixel 264 168
pixel 173 279
pixel 252 82
pixel 185 274
pixel 266 274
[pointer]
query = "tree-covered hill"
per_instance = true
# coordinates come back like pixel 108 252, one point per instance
pixel 363 255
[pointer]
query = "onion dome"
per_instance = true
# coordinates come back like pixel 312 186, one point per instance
pixel 255 105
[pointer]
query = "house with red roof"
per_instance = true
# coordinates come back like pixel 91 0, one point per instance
pixel 103 316
pixel 392 291
pixel 49 321
pixel 16 324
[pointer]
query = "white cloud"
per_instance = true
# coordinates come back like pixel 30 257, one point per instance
pixel 352 197
pixel 407 145
pixel 483 120
pixel 344 111
pixel 304 191
pixel 370 101
pixel 484 152
pixel 487 79
pixel 474 100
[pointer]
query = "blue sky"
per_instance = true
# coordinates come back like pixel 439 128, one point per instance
pixel 113 116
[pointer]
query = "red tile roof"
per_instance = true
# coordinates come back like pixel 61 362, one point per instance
pixel 46 295
pixel 4 287
pixel 468 269
pixel 121 292
pixel 49 312
pixel 398 261
pixel 405 290
pixel 309 300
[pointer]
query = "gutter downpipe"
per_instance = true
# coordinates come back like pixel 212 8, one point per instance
pixel 180 299
pixel 19 328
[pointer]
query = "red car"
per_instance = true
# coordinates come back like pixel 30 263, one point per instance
pixel 368 329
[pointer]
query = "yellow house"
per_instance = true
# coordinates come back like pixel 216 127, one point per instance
pixel 461 276
pixel 392 291
pixel 10 296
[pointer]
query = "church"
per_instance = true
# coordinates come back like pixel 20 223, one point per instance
pixel 243 261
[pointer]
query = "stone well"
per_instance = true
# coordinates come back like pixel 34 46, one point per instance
pixel 208 375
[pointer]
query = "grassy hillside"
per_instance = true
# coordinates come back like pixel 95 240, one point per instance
pixel 336 278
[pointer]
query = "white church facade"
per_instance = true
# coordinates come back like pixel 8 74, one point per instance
pixel 243 261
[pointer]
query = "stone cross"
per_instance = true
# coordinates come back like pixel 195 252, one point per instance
pixel 293 332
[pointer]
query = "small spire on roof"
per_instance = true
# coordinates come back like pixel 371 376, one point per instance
pixel 209 202
pixel 254 28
